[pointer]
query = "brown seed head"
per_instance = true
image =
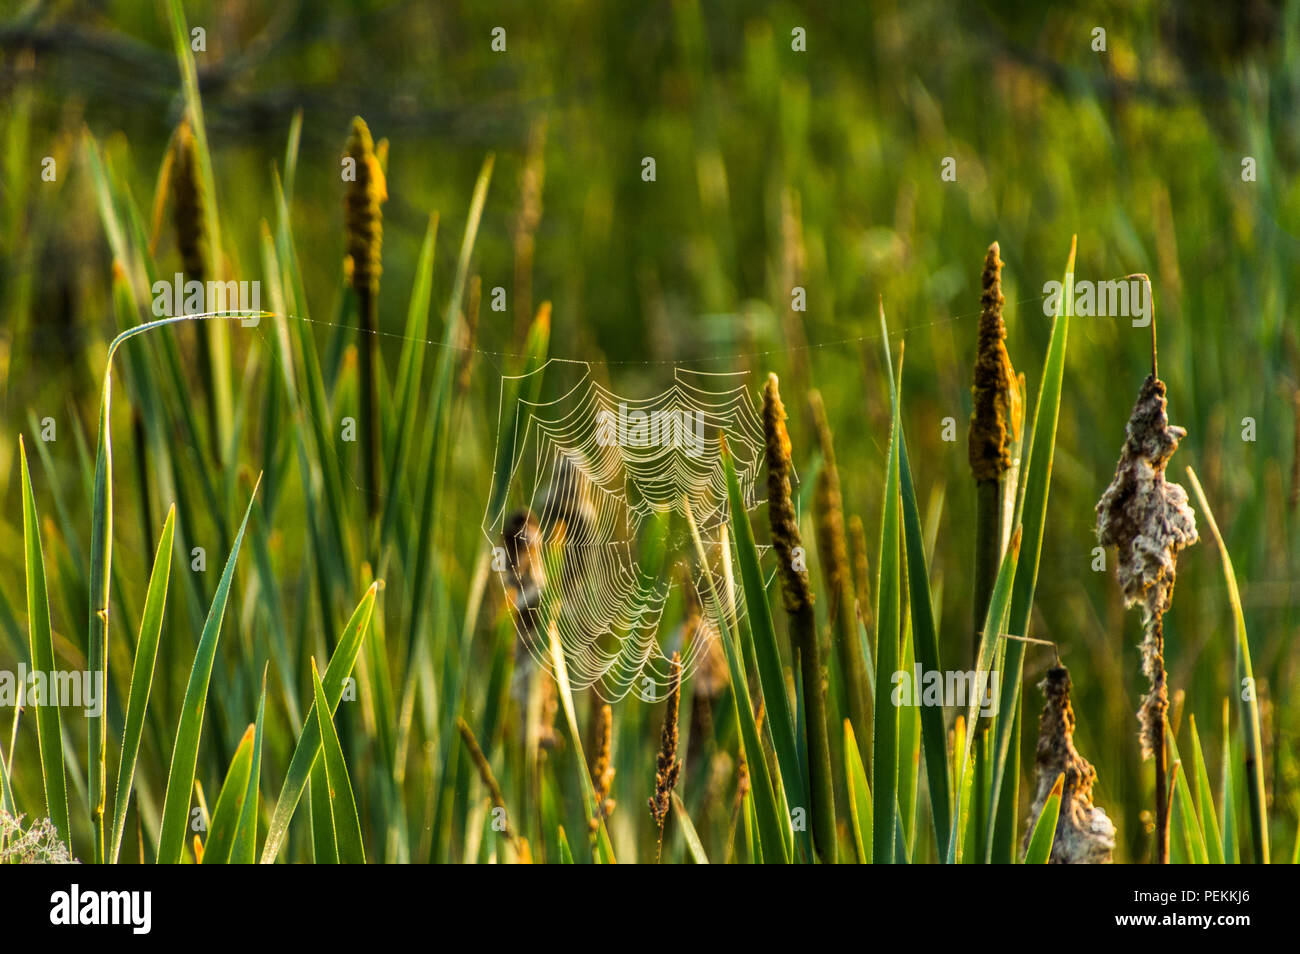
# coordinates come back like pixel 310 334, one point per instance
pixel 667 766
pixel 795 591
pixel 1084 834
pixel 989 449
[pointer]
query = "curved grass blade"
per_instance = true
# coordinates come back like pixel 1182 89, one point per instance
pixel 343 806
pixel 49 724
pixel 142 671
pixel 185 753
pixel 1040 842
pixel 309 741
pixel 1248 704
pixel 230 803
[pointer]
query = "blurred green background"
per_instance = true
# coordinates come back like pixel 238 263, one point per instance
pixel 774 167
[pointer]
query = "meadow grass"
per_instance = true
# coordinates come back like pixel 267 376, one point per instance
pixel 350 684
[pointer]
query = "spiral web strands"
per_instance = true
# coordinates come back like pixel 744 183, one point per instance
pixel 596 508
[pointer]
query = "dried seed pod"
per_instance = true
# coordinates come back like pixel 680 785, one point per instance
pixel 667 766
pixel 1148 520
pixel 795 591
pixel 992 392
pixel 1084 834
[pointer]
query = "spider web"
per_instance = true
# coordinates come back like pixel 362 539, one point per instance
pixel 594 514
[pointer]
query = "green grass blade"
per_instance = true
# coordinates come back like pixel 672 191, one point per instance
pixel 566 854
pixel 1192 835
pixel 409 371
pixel 244 849
pixel 925 638
pixel 343 806
pixel 1040 842
pixel 1248 704
pixel 101 561
pixel 309 741
pixel 185 753
pixel 859 797
pixel 324 840
pixel 773 831
pixel 49 724
pixel 142 673
pixel 884 749
pixel 603 850
pixel 693 843
pixel 989 639
pixel 230 803
pixel 770 671
pixel 1205 799
pixel 1231 853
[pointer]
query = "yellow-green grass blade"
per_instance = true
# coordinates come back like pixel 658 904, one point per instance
pixel 603 851
pixel 343 806
pixel 437 448
pixel 1040 842
pixel 49 724
pixel 1037 475
pixel 999 604
pixel 535 351
pixel 859 797
pixel 185 752
pixel 768 656
pixel 244 849
pixel 1231 852
pixel 884 748
pixel 409 372
pixel 142 672
pixel 1193 838
pixel 230 803
pixel 101 560
pixel 693 843
pixel 772 831
pixel 309 741
pixel 566 854
pixel 324 840
pixel 1205 799
pixel 925 639
pixel 1248 704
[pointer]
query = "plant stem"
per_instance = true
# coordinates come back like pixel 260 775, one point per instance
pixel 988 550
pixel 1159 747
